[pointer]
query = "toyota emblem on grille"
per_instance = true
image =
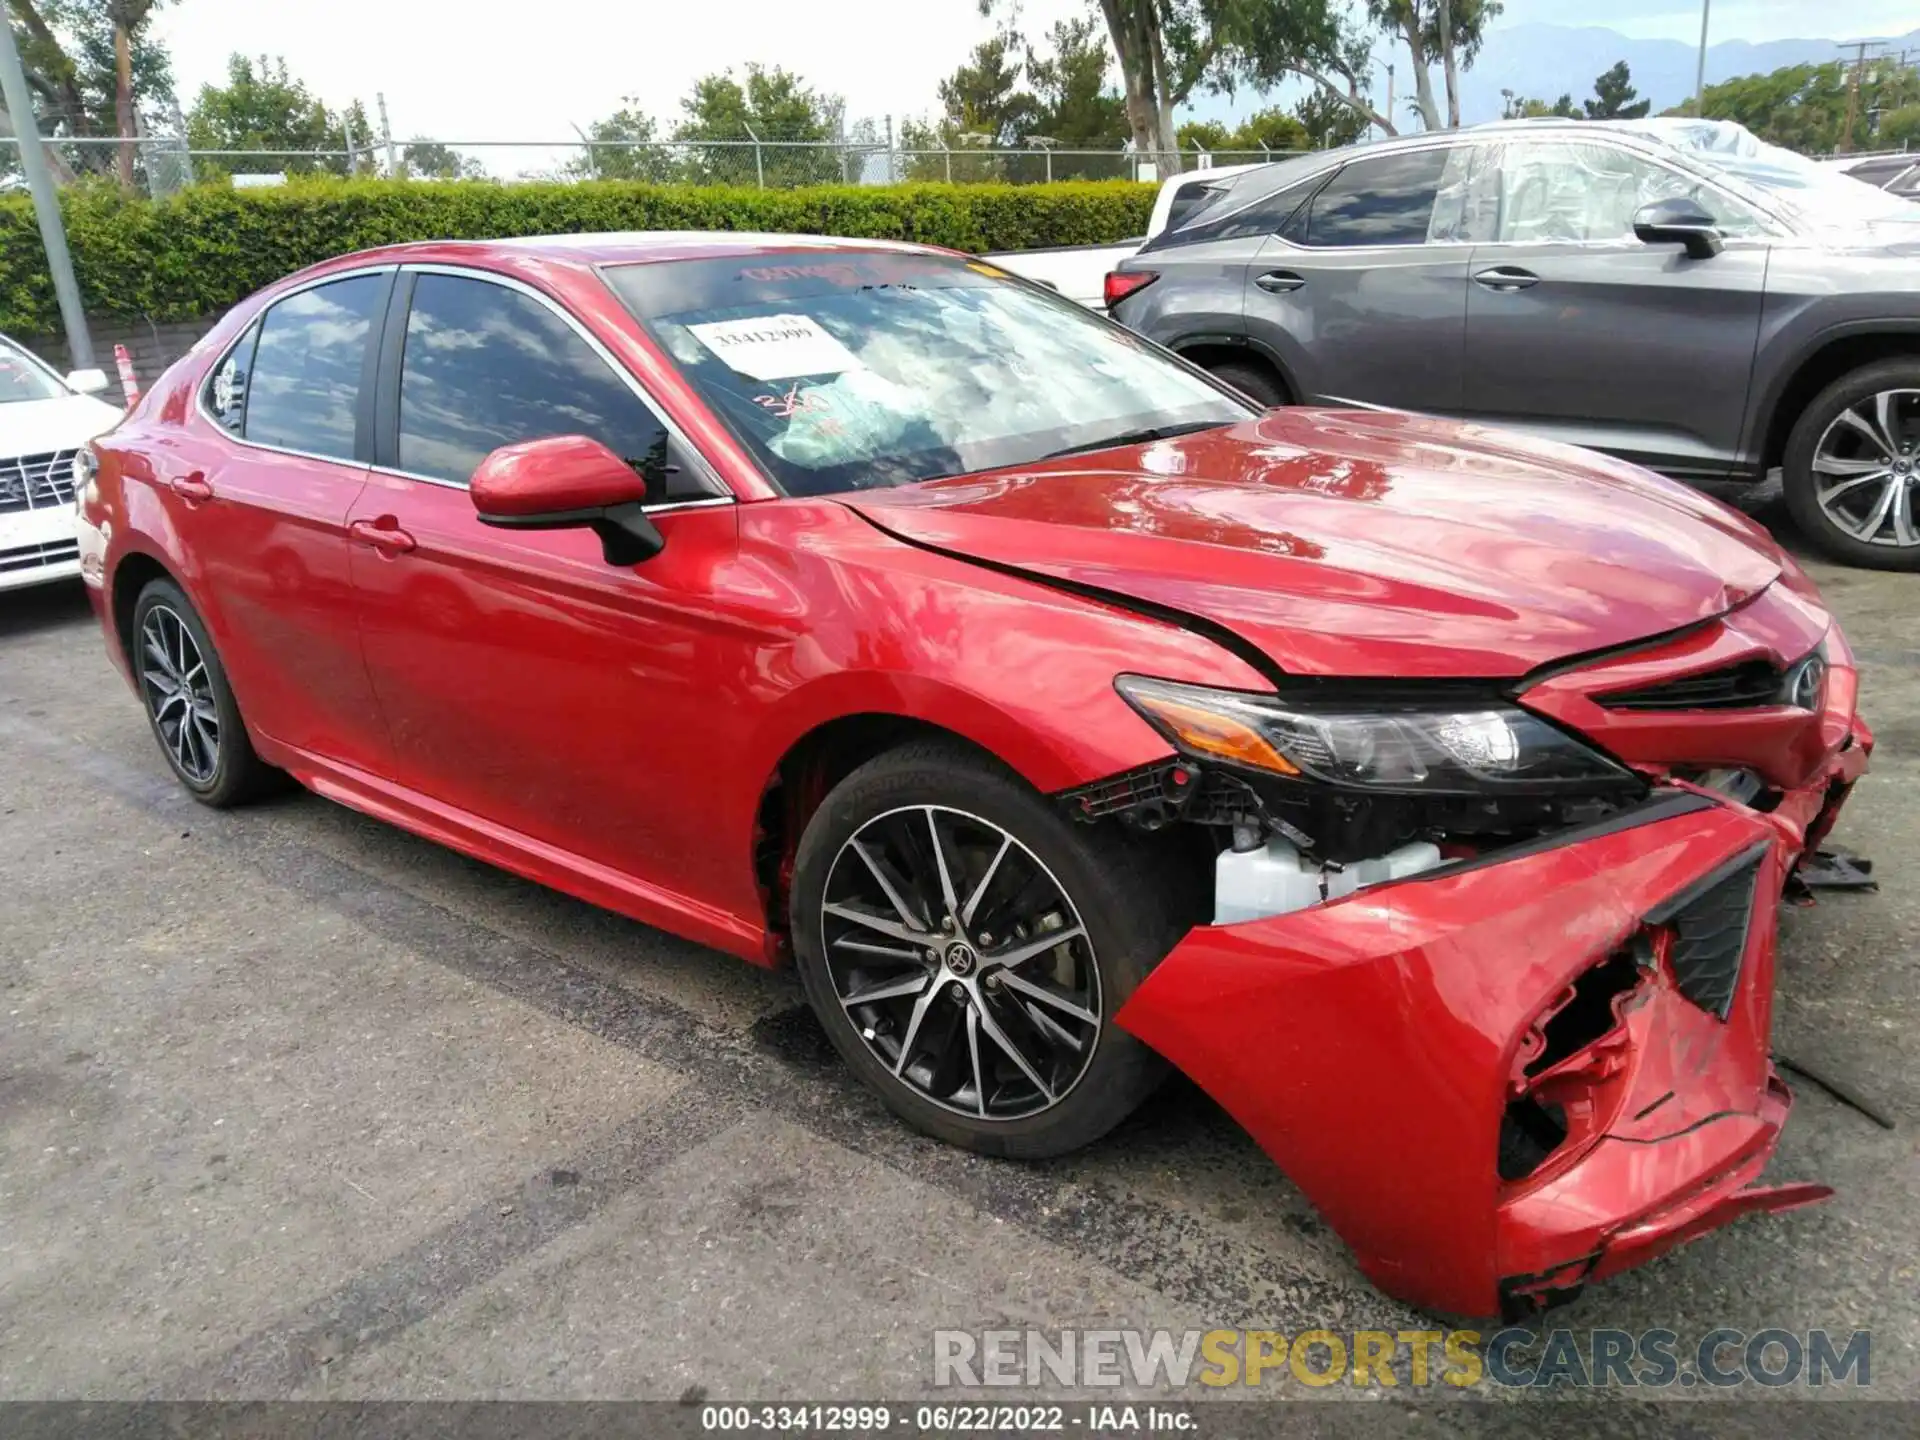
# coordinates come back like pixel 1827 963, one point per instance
pixel 1804 682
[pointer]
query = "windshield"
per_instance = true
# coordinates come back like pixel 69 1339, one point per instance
pixel 24 378
pixel 849 370
pixel 1817 194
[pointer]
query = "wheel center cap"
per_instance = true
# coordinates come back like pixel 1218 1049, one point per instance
pixel 960 958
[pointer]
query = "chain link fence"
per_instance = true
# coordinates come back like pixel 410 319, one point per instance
pixel 165 162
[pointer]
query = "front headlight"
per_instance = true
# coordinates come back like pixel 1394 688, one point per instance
pixel 1426 748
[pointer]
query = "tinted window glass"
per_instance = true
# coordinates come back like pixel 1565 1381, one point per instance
pixel 1188 200
pixel 227 385
pixel 1383 200
pixel 306 367
pixel 1237 218
pixel 486 366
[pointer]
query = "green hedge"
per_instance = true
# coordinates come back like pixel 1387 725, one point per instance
pixel 199 251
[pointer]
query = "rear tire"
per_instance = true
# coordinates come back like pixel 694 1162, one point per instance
pixel 190 706
pixel 927 1049
pixel 1253 381
pixel 1863 426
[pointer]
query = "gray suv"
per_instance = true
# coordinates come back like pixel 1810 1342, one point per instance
pixel 1673 292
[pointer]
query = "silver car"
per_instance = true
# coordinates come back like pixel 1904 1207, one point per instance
pixel 1674 292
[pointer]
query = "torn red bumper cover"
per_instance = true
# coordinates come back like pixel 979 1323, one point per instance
pixel 1510 1077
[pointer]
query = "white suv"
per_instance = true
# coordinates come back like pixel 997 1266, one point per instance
pixel 45 422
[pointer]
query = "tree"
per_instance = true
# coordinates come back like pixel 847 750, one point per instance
pixel 1519 107
pixel 1804 107
pixel 1613 94
pixel 1010 94
pixel 1328 121
pixel 986 97
pixel 627 147
pixel 93 70
pixel 432 159
pixel 1264 42
pixel 1204 135
pixel 1074 105
pixel 127 18
pixel 1269 130
pixel 772 105
pixel 262 107
pixel 1900 128
pixel 1448 30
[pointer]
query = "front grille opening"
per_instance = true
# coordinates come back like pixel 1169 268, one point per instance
pixel 1710 935
pixel 1746 686
pixel 36 482
pixel 1589 1014
pixel 1529 1133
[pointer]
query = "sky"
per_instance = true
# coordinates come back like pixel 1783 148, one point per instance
pixel 461 71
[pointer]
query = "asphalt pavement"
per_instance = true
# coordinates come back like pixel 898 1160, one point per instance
pixel 293 1104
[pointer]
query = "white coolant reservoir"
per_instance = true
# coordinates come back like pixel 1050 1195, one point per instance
pixel 1275 878
pixel 1394 865
pixel 1269 879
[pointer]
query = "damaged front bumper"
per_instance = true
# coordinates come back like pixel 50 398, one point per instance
pixel 1511 1076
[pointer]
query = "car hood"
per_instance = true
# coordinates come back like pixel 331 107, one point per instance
pixel 1361 543
pixel 66 422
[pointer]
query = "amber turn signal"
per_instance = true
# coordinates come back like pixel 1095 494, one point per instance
pixel 1208 732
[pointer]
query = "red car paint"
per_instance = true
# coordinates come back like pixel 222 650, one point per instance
pixel 613 732
pixel 574 473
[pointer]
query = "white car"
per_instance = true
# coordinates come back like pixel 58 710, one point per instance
pixel 1079 272
pixel 44 423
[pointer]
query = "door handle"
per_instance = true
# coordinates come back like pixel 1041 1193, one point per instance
pixel 191 486
pixel 1279 282
pixel 1505 279
pixel 384 535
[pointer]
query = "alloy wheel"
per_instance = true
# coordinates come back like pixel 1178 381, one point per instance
pixel 1866 469
pixel 178 690
pixel 961 962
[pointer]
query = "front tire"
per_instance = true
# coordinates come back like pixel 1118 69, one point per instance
pixel 189 704
pixel 1253 381
pixel 926 890
pixel 1852 467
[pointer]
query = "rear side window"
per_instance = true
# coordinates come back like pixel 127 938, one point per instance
pixel 305 380
pixel 1188 200
pixel 487 366
pixel 1382 200
pixel 227 385
pixel 1268 215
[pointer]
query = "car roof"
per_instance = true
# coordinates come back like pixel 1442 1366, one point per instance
pixel 615 247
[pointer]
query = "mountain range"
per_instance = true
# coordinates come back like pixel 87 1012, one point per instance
pixel 1546 61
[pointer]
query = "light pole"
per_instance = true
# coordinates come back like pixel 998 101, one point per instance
pixel 1700 66
pixel 46 203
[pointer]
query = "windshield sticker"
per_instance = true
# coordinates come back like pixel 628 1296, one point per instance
pixel 776 347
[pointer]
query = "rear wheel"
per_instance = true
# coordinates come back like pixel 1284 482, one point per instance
pixel 1852 467
pixel 189 702
pixel 1254 381
pixel 966 948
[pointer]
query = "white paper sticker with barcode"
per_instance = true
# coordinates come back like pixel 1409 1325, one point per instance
pixel 776 347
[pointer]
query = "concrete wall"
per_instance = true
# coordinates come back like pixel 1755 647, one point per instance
pixel 153 347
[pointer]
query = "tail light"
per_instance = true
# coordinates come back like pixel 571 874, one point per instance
pixel 1122 283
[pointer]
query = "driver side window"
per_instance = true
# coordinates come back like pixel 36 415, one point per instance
pixel 1569 191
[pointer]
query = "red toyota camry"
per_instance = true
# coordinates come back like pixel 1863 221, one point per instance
pixel 1424 793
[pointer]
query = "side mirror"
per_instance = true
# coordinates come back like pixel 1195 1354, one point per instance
pixel 565 482
pixel 87 382
pixel 1683 222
